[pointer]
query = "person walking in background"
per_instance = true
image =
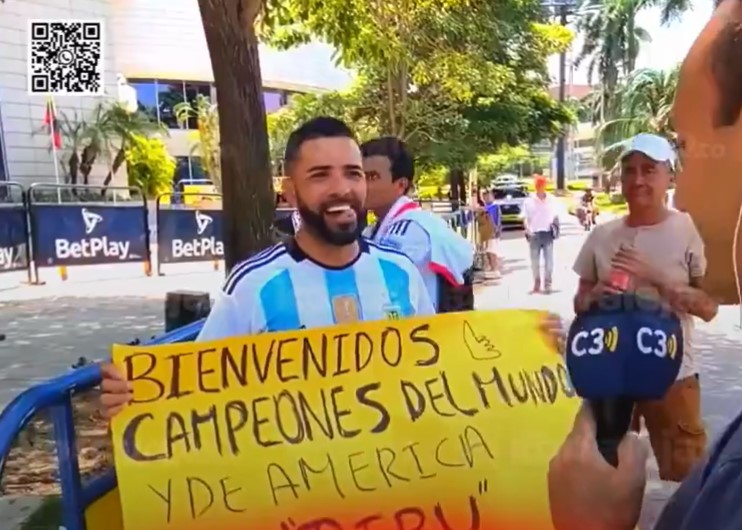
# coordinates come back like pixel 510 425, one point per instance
pixel 541 223
pixel 491 245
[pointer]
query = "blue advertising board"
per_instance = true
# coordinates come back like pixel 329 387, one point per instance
pixel 189 235
pixel 13 238
pixel 66 234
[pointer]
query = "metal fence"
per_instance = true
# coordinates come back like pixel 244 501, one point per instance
pixel 64 225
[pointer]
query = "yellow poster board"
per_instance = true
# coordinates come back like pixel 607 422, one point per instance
pixel 445 422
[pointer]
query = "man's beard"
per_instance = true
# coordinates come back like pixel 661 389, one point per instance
pixel 345 234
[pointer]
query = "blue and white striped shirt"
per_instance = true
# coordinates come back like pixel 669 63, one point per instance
pixel 282 289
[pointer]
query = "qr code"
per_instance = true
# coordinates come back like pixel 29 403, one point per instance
pixel 65 57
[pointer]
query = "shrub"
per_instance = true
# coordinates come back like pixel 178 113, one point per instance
pixel 579 185
pixel 149 165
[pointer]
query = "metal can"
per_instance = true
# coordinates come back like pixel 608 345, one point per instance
pixel 619 279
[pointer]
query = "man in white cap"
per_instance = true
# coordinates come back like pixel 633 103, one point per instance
pixel 658 253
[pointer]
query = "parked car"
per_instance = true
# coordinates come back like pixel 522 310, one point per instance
pixel 507 180
pixel 510 199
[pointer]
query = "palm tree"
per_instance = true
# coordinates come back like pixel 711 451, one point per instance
pixel 612 40
pixel 207 144
pixel 108 128
pixel 642 104
pixel 72 130
pixel 83 139
pixel 95 139
pixel 120 128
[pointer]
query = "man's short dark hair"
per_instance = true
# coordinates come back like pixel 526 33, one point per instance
pixel 320 127
pixel 726 70
pixel 402 163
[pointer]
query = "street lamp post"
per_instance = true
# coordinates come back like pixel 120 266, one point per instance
pixel 562 9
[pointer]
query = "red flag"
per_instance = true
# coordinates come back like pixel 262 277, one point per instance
pixel 50 120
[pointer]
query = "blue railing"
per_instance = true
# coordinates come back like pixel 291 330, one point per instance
pixel 55 395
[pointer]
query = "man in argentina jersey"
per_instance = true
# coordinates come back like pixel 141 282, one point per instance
pixel 326 274
pixel 442 256
pixel 284 288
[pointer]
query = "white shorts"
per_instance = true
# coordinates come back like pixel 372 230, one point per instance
pixel 491 246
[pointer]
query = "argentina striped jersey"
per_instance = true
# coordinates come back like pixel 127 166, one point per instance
pixel 283 289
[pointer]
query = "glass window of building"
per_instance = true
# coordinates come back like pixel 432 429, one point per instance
pixel 197 170
pixel 146 96
pixel 182 171
pixel 192 90
pixel 273 100
pixel 169 94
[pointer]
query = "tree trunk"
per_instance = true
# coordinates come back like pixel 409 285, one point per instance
pixel 247 186
pixel 117 162
pixel 458 187
pixel 74 165
pixel 89 154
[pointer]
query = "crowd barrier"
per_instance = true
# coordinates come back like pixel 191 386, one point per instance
pixel 188 231
pixel 62 225
pixel 83 232
pixel 79 499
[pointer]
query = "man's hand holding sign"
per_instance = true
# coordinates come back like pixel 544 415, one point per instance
pixel 382 425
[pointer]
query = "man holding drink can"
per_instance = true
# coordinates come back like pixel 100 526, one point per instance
pixel 657 253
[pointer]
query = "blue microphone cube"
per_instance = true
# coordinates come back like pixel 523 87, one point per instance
pixel 624 346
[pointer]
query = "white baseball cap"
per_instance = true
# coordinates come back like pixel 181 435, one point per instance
pixel 655 147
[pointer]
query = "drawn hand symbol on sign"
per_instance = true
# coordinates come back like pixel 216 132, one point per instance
pixel 480 347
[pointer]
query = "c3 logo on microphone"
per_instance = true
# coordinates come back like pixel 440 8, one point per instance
pixel 655 341
pixel 594 342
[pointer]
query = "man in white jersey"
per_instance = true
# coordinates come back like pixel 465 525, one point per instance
pixel 326 274
pixel 444 258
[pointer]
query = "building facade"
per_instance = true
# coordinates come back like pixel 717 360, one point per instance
pixel 159 47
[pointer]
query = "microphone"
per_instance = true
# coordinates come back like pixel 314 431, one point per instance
pixel 624 349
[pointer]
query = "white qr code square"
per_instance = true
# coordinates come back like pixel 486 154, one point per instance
pixel 65 57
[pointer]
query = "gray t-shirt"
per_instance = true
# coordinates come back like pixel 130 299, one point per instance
pixel 673 246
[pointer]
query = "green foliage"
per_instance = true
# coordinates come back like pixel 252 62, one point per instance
pixel 346 105
pixel 516 160
pixel 107 129
pixel 582 108
pixel 579 185
pixel 207 140
pixel 119 127
pixel 149 165
pixel 453 78
pixel 504 160
pixel 614 203
pixel 642 103
pixel 432 183
pixel 612 39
